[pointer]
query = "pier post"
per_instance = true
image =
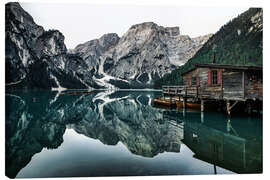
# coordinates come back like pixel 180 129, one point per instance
pixel 202 117
pixel 184 103
pixel 228 125
pixel 219 106
pixel 184 113
pixel 249 108
pixel 244 155
pixel 228 108
pixel 202 105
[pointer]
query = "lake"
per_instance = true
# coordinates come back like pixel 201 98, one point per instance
pixel 120 133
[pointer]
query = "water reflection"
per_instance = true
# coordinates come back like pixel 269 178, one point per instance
pixel 234 144
pixel 37 120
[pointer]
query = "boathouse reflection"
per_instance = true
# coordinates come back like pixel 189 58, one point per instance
pixel 235 145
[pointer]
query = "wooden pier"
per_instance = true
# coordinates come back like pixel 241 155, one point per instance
pixel 224 86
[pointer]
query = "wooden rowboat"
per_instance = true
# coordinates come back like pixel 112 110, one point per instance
pixel 164 102
pixel 188 105
pixel 175 103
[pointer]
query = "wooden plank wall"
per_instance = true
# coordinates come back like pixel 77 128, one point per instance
pixel 254 85
pixel 212 91
pixel 187 77
pixel 204 90
pixel 232 84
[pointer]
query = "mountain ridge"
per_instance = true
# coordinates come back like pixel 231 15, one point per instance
pixel 39 59
pixel 144 53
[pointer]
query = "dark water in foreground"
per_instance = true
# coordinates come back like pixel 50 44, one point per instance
pixel 121 133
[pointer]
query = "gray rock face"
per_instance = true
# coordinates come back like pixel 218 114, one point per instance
pixel 36 58
pixel 21 34
pixel 148 51
pixel 92 50
pixel 143 54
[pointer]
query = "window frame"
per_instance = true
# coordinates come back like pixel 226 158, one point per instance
pixel 194 81
pixel 214 77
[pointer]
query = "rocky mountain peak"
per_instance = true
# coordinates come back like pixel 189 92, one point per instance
pixel 171 31
pixel 148 51
pixel 91 50
pixel 104 43
pixel 150 28
pixel 145 53
pixel 36 58
pixel 20 21
pixel 21 35
pixel 51 43
pixel 108 40
pixel 144 25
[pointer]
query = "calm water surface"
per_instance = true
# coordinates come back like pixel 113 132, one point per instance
pixel 105 133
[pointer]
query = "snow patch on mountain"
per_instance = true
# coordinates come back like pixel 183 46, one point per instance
pixel 59 87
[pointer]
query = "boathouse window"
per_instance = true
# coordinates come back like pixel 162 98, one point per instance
pixel 214 77
pixel 194 81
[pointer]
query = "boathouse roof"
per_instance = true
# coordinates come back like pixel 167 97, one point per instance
pixel 225 66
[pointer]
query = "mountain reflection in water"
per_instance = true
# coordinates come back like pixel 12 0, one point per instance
pixel 125 120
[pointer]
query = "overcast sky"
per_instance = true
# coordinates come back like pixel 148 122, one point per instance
pixel 83 22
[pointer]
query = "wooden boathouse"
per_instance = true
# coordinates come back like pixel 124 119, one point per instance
pixel 223 85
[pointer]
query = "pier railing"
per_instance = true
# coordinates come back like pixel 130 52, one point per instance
pixel 173 89
pixel 210 94
pixel 181 90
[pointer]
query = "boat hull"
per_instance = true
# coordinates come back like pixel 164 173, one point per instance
pixel 164 102
pixel 188 105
